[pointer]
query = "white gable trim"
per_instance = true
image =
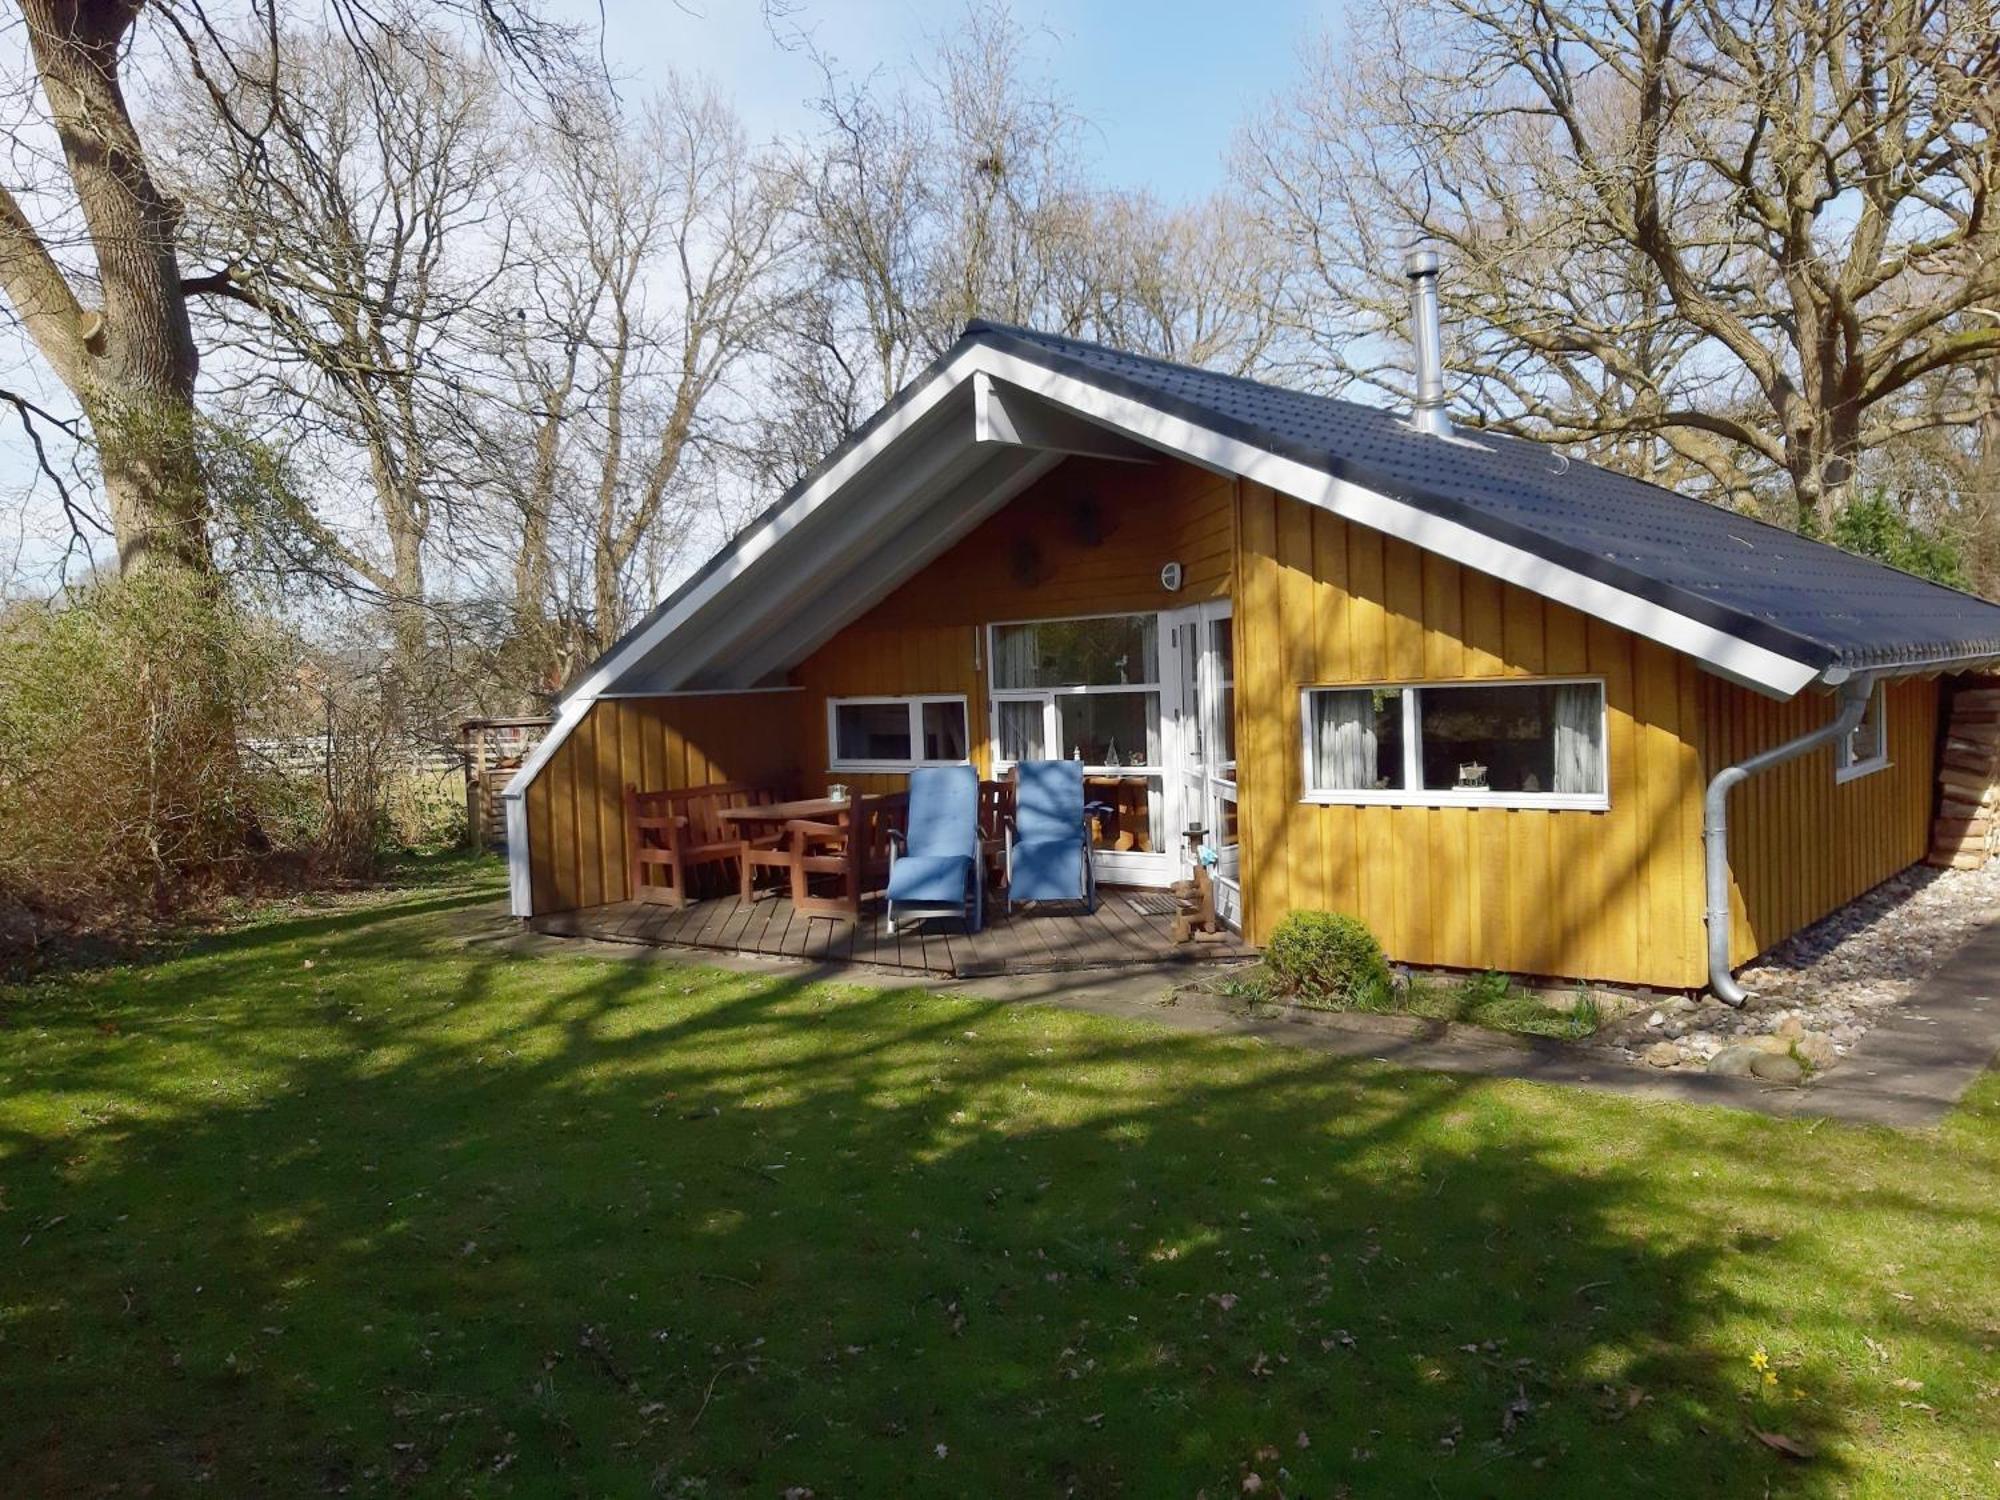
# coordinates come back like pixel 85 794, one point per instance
pixel 1741 661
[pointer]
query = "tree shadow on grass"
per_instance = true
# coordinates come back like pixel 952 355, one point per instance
pixel 491 1224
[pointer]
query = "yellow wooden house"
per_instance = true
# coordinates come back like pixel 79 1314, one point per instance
pixel 1468 690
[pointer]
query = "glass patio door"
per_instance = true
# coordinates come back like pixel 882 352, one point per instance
pixel 1093 690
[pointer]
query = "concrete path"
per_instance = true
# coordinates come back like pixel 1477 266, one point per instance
pixel 1907 1072
pixel 1937 1049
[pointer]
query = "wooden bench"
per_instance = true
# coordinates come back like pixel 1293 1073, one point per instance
pixel 678 832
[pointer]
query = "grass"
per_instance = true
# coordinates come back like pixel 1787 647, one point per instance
pixel 348 1202
pixel 1491 1000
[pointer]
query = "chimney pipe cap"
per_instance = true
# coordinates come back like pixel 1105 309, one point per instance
pixel 1421 260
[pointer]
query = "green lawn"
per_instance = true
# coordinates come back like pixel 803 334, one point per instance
pixel 341 1203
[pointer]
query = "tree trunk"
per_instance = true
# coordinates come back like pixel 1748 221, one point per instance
pixel 132 367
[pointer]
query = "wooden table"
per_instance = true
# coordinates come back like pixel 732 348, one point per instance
pixel 820 840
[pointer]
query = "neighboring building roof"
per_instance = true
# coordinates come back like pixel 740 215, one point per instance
pixel 1803 599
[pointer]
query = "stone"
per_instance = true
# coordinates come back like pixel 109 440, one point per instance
pixel 1662 1055
pixel 1778 1067
pixel 1816 1050
pixel 1792 1026
pixel 1733 1062
pixel 1657 1018
pixel 1777 1046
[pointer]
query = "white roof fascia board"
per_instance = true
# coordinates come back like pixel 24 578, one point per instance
pixel 1729 656
pixel 1018 420
pixel 831 610
pixel 774 530
pixel 760 541
pixel 825 558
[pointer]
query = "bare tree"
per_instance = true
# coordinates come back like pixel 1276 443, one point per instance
pixel 357 240
pixel 96 282
pixel 964 193
pixel 655 266
pixel 1704 235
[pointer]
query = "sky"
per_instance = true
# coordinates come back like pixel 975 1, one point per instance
pixel 1163 83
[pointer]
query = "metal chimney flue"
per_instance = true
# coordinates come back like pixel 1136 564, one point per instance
pixel 1427 412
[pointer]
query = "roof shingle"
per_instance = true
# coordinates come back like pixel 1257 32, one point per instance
pixel 1764 584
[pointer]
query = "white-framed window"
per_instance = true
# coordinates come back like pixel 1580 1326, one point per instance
pixel 1511 743
pixel 1086 689
pixel 896 734
pixel 1865 750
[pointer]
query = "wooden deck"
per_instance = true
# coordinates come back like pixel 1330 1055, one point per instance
pixel 1033 940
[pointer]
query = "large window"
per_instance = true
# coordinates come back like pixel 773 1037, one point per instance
pixel 1513 744
pixel 1866 747
pixel 1087 690
pixel 895 734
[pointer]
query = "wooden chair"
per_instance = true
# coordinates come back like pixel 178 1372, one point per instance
pixel 853 850
pixel 677 833
pixel 996 811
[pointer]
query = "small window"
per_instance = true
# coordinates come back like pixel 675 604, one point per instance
pixel 1106 651
pixel 1515 744
pixel 895 734
pixel 1866 748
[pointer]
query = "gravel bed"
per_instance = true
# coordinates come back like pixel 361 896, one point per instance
pixel 1817 994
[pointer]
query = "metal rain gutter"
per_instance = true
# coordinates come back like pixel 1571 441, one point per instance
pixel 1854 693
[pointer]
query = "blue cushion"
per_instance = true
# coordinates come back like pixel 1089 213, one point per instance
pixel 930 879
pixel 1048 800
pixel 944 811
pixel 1047 870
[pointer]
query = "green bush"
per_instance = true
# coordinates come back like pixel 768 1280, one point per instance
pixel 120 780
pixel 1327 958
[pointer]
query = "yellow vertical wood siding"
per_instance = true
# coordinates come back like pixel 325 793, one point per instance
pixel 1802 844
pixel 1089 538
pixel 1608 895
pixel 576 811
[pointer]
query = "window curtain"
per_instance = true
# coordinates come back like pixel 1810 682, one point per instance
pixel 1579 722
pixel 1015 656
pixel 1343 741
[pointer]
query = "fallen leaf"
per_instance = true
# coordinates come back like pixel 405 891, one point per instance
pixel 1777 1442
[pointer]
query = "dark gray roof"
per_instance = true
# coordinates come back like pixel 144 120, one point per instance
pixel 1761 583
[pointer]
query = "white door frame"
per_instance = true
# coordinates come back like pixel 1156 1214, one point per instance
pixel 1156 867
pixel 1197 789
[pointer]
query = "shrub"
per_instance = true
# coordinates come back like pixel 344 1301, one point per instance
pixel 120 781
pixel 1327 958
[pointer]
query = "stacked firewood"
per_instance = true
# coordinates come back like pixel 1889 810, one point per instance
pixel 1967 831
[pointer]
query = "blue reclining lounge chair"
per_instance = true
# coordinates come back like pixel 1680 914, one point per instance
pixel 935 869
pixel 1048 842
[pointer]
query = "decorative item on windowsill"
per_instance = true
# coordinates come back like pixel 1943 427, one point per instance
pixel 1472 776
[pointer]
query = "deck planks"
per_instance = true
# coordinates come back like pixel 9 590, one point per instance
pixel 1034 939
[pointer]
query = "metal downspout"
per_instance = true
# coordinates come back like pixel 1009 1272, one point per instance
pixel 1854 695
